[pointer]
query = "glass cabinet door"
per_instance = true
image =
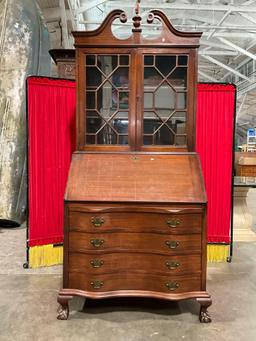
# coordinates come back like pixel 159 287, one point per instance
pixel 107 99
pixel 165 100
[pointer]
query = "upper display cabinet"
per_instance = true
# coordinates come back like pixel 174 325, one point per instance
pixel 137 93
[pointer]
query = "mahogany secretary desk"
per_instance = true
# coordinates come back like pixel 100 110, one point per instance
pixel 135 204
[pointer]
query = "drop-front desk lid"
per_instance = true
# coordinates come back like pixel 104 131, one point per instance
pixel 135 177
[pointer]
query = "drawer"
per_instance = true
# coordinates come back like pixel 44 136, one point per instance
pixel 136 242
pixel 137 222
pixel 139 263
pixel 124 281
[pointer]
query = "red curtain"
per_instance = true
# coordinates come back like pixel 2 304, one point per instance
pixel 214 143
pixel 51 140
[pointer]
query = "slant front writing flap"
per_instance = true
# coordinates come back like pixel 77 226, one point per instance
pixel 135 178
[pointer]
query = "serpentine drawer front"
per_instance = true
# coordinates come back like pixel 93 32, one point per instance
pixel 139 242
pixel 136 222
pixel 137 262
pixel 123 281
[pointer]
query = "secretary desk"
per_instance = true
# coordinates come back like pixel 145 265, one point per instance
pixel 135 203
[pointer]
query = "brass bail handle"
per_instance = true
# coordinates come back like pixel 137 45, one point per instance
pixel 172 244
pixel 173 222
pixel 172 286
pixel 97 221
pixel 97 242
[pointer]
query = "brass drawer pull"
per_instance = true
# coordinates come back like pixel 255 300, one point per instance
pixel 172 244
pixel 97 284
pixel 172 286
pixel 172 265
pixel 97 242
pixel 173 222
pixel 97 221
pixel 96 263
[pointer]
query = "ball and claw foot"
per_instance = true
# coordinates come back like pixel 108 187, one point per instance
pixel 63 313
pixel 204 316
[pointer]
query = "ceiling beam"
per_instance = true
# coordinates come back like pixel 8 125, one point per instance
pixel 248 47
pixel 216 27
pixel 204 75
pixel 215 44
pixel 224 66
pixel 234 34
pixel 249 2
pixel 248 17
pixel 89 5
pixel 219 23
pixel 241 91
pixel 241 105
pixel 217 53
pixel 238 48
pixel 176 6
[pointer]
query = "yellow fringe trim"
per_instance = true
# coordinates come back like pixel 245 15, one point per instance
pixel 45 255
pixel 217 253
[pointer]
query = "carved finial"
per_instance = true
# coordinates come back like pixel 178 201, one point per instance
pixel 137 18
pixel 137 8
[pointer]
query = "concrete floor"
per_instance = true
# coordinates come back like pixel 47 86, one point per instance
pixel 28 304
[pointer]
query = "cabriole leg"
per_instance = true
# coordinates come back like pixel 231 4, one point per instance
pixel 204 316
pixel 63 310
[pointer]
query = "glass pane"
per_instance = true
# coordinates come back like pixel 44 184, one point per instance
pixel 165 97
pixel 148 100
pixel 178 78
pixel 94 77
pixel 90 60
pixel 151 123
pixel 165 100
pixel 120 78
pixel 181 100
pixel 121 125
pixel 90 139
pixel 182 60
pixel 148 140
pixel 124 60
pixel 152 77
pixel 107 136
pixel 166 137
pixel 93 122
pixel 165 64
pixel 123 98
pixel 177 120
pixel 107 100
pixel 180 140
pixel 123 139
pixel 107 63
pixel 149 60
pixel 91 100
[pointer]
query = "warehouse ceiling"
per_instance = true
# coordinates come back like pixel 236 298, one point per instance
pixel 228 45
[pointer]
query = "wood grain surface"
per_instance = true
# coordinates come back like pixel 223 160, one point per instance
pixel 136 263
pixel 135 178
pixel 134 242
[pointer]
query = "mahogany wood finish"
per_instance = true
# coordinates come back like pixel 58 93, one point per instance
pixel 101 43
pixel 116 262
pixel 146 242
pixel 135 203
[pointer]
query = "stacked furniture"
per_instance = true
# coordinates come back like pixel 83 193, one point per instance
pixel 135 204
